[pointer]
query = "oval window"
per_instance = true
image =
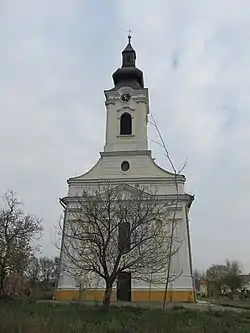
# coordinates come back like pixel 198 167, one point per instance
pixel 125 166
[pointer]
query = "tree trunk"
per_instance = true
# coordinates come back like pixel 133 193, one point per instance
pixel 2 280
pixel 107 296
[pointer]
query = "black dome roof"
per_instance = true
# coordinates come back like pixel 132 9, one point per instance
pixel 128 74
pixel 125 74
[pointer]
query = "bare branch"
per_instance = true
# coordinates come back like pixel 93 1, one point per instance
pixel 17 232
pixel 115 229
pixel 173 225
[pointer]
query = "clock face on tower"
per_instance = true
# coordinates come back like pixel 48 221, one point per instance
pixel 125 97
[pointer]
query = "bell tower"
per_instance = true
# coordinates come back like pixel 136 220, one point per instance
pixel 127 107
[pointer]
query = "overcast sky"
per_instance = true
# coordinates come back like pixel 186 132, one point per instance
pixel 57 57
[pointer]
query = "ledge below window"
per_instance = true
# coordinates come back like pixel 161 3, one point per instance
pixel 125 136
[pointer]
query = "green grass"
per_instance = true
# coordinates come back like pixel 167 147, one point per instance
pixel 241 304
pixel 48 318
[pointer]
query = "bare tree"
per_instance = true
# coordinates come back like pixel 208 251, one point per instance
pixel 48 271
pixel 175 172
pixel 32 271
pixel 15 286
pixel 17 232
pixel 226 275
pixel 82 283
pixel 215 275
pixel 233 278
pixel 42 270
pixel 115 229
pixel 197 276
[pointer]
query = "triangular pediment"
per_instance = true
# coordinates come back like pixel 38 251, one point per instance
pixel 127 188
pixel 124 189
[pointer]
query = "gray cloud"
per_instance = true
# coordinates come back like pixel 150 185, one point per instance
pixel 56 60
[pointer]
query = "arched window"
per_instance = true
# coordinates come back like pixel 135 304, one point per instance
pixel 126 124
pixel 124 237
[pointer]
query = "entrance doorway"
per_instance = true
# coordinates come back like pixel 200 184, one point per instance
pixel 124 287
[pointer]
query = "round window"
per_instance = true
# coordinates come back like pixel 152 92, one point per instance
pixel 125 166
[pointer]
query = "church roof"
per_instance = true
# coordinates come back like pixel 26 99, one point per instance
pixel 128 48
pixel 128 73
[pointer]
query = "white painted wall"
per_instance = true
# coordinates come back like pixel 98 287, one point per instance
pixel 180 262
pixel 137 107
pixel 143 170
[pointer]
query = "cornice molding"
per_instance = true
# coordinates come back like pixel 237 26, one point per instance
pixel 125 107
pixel 146 180
pixel 125 152
pixel 108 102
pixel 138 97
pixel 141 99
pixel 181 198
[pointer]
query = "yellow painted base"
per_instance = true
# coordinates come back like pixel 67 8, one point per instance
pixel 137 295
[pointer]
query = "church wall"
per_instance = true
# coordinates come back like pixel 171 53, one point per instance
pixel 141 165
pixel 180 289
pixel 66 279
pixel 146 295
pixel 159 189
pixel 139 175
pixel 179 265
pixel 179 261
pixel 138 110
pixel 140 289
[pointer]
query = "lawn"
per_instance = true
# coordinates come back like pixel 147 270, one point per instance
pixel 48 318
pixel 242 304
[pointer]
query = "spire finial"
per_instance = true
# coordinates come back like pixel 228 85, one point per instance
pixel 129 35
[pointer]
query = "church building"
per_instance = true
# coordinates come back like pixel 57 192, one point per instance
pixel 127 160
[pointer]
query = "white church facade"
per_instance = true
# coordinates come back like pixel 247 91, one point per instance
pixel 127 160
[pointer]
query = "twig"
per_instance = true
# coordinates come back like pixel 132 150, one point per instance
pixel 173 224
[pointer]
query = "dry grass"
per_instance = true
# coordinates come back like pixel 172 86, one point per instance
pixel 48 318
